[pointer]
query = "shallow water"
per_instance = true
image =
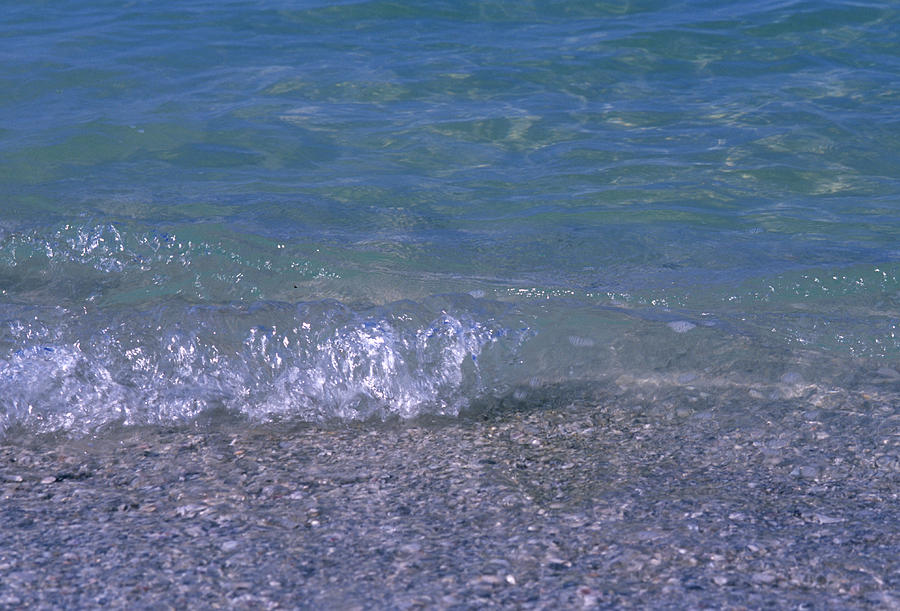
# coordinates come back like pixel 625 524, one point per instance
pixel 366 209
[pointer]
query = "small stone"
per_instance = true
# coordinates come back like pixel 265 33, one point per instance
pixel 50 479
pixel 581 342
pixel 511 580
pixel 557 563
pixel 588 597
pixel 410 548
pixel 765 577
pixel 887 372
pixel 791 377
pixel 823 519
pixel 188 511
pixel 229 546
pixel 720 580
pixel 681 326
pixel 806 472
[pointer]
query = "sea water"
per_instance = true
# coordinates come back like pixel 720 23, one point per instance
pixel 332 211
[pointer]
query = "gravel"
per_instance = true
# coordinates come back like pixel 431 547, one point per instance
pixel 651 503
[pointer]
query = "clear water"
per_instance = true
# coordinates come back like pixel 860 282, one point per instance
pixel 343 210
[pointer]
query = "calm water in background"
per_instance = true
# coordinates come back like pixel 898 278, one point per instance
pixel 356 209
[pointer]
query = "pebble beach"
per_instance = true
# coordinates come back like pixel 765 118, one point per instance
pixel 576 506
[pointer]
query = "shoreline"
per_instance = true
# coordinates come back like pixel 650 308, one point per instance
pixel 607 506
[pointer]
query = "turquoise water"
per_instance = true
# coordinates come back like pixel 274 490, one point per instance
pixel 343 210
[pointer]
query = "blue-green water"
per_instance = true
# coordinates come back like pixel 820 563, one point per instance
pixel 344 210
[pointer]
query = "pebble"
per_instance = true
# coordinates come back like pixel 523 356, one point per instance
pixel 888 372
pixel 791 377
pixel 765 577
pixel 823 519
pixel 581 342
pixel 556 563
pixel 188 511
pixel 806 471
pixel 229 546
pixel 681 326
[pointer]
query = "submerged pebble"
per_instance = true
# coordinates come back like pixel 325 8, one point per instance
pixel 681 326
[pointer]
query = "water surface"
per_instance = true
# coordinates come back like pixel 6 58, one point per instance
pixel 347 210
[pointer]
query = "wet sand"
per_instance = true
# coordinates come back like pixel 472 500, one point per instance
pixel 650 505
